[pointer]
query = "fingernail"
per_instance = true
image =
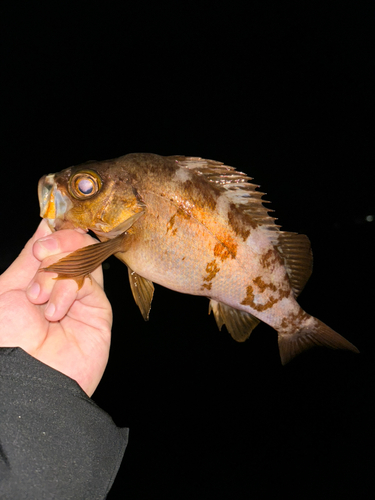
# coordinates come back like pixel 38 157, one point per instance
pixel 33 290
pixel 48 243
pixel 50 311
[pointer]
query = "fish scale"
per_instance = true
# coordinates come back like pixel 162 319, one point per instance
pixel 195 226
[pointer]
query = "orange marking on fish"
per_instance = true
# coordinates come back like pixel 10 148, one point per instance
pixel 262 285
pixel 249 300
pixel 208 286
pixel 226 248
pixel 211 269
pixel 171 222
pixel 180 213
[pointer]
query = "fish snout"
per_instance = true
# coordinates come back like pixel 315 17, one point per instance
pixel 53 203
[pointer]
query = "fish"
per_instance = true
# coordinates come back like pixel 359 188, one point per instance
pixel 195 226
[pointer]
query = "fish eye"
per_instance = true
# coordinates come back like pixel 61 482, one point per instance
pixel 84 184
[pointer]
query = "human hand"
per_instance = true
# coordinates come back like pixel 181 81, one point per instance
pixel 65 328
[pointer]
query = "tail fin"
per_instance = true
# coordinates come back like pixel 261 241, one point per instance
pixel 314 333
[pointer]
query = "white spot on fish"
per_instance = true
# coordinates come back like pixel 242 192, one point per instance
pixel 182 175
pixel 258 241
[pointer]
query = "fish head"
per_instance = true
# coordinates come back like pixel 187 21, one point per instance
pixel 94 195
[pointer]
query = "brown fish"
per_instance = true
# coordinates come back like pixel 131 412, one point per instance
pixel 195 226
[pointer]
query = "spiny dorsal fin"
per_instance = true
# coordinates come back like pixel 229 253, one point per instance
pixel 239 323
pixel 236 186
pixel 296 250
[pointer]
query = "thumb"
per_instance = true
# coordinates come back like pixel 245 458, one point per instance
pixel 21 271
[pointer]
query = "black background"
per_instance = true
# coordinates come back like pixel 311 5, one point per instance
pixel 281 90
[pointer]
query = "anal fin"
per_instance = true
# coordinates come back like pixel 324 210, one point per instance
pixel 239 324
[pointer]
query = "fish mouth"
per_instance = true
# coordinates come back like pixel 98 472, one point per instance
pixel 53 203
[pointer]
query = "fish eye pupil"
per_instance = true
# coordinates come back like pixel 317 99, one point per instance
pixel 86 186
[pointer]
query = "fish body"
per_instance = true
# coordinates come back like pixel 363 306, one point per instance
pixel 197 227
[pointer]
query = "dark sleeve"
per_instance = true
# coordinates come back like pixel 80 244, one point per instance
pixel 55 442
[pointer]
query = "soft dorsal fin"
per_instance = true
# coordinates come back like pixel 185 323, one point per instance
pixel 296 250
pixel 239 323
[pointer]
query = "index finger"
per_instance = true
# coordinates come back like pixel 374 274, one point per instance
pixel 21 271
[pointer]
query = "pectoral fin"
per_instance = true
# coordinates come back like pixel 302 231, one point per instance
pixel 79 264
pixel 239 323
pixel 143 291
